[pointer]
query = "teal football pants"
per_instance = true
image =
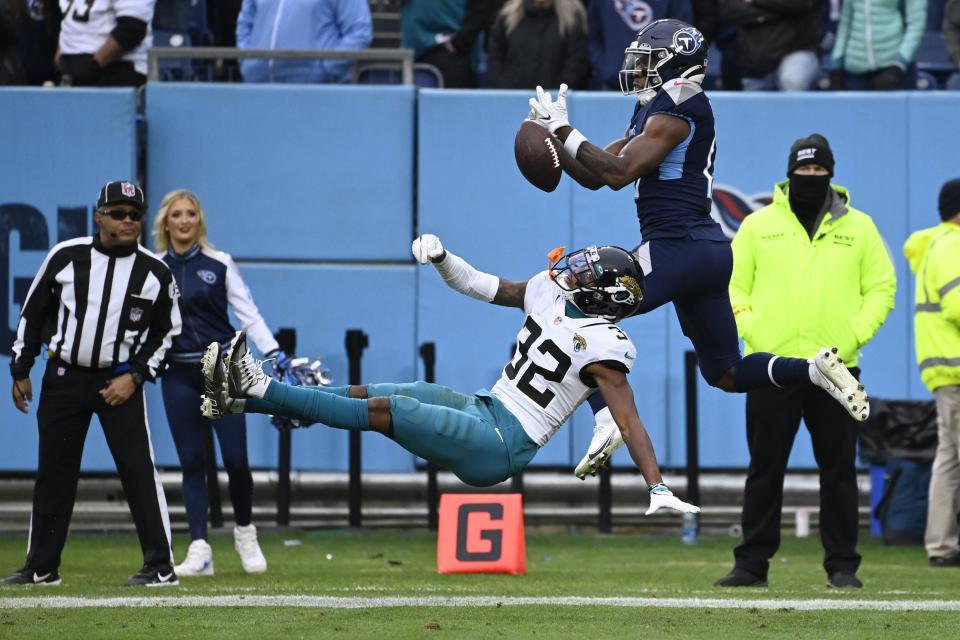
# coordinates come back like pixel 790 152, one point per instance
pixel 474 437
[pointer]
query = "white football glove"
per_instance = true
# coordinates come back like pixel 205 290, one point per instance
pixel 662 498
pixel 549 114
pixel 427 248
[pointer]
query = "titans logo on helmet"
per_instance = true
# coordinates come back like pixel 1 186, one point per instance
pixel 687 41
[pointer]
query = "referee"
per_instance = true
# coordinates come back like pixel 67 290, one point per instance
pixel 108 310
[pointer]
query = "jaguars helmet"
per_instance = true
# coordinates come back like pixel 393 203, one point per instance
pixel 663 50
pixel 602 282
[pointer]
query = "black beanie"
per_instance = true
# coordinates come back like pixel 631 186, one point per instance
pixel 949 199
pixel 814 149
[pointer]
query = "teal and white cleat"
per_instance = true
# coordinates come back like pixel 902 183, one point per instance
pixel 245 375
pixel 606 440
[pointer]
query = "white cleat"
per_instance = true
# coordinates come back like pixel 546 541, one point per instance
pixel 606 439
pixel 245 376
pixel 215 402
pixel 199 560
pixel 246 544
pixel 829 373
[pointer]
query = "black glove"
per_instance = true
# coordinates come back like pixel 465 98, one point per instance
pixel 82 69
pixel 837 78
pixel 888 79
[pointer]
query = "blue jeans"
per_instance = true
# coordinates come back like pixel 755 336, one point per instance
pixel 796 72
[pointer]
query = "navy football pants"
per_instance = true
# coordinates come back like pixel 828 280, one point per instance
pixel 182 387
pixel 695 276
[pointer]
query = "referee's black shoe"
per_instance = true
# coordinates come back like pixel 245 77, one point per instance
pixel 29 576
pixel 153 577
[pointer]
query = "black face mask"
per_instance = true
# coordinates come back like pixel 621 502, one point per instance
pixel 807 194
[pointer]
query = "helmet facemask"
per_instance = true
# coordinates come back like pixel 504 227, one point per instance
pixel 640 73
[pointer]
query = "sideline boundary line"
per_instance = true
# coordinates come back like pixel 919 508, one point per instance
pixel 334 602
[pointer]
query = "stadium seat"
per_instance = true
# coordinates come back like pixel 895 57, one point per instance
pixel 425 76
pixel 926 81
pixel 932 56
pixel 176 70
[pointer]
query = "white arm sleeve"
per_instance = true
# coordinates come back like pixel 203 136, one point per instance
pixel 239 298
pixel 463 277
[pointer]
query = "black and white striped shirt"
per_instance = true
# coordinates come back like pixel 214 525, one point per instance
pixel 99 307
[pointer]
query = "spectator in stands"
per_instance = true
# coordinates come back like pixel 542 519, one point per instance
pixel 777 42
pixel 934 255
pixel 104 44
pixel 808 269
pixel 613 24
pixel 877 41
pixel 444 33
pixel 539 42
pixel 210 285
pixel 951 34
pixel 308 24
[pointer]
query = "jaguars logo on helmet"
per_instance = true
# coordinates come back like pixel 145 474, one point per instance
pixel 664 50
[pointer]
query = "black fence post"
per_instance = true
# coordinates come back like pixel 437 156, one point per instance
pixel 287 340
pixel 356 342
pixel 213 482
pixel 428 352
pixel 605 500
pixel 691 522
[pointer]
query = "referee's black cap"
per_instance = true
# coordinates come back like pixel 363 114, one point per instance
pixel 121 191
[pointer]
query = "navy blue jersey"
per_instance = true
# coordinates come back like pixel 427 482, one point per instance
pixel 210 284
pixel 674 200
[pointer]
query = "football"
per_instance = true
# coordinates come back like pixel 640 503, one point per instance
pixel 538 156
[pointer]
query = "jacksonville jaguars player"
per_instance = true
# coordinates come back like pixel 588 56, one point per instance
pixel 569 347
pixel 668 154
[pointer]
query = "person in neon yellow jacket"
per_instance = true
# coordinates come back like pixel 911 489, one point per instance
pixel 808 270
pixel 934 255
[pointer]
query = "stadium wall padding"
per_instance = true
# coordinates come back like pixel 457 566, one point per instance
pixel 317 192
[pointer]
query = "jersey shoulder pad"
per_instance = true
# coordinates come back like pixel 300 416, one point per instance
pixel 681 90
pixel 538 287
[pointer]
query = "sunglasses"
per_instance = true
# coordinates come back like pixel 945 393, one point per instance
pixel 122 214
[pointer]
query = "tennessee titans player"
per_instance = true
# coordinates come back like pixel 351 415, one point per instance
pixel 568 347
pixel 668 154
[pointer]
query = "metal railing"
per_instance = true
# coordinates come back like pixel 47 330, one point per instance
pixel 156 54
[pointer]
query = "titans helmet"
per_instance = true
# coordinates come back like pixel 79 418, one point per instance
pixel 602 282
pixel 663 50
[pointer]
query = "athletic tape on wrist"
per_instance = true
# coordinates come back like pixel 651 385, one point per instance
pixel 573 142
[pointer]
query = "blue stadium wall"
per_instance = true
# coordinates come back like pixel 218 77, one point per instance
pixel 317 192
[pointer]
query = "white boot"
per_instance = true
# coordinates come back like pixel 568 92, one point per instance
pixel 199 560
pixel 245 542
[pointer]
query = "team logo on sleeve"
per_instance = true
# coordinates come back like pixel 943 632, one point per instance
pixel 687 41
pixel 207 276
pixel 579 343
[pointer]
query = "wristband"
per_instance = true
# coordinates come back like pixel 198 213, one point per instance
pixel 573 142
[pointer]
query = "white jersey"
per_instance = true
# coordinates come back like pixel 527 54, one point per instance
pixel 545 382
pixel 86 25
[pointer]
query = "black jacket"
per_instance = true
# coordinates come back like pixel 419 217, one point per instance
pixel 535 54
pixel 767 30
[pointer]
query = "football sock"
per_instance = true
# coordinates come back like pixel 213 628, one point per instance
pixel 312 405
pixel 765 370
pixel 597 403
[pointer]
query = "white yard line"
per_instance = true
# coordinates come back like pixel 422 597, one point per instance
pixel 329 602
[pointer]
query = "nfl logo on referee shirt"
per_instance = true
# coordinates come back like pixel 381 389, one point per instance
pixel 135 314
pixel 128 189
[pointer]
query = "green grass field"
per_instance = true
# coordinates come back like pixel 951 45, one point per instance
pixel 374 565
